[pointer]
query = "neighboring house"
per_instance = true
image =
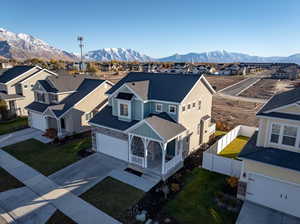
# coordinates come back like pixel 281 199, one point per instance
pixel 66 103
pixel 154 120
pixel 271 159
pixel 16 84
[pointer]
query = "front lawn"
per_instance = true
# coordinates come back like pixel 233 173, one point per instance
pixel 113 197
pixel 11 126
pixel 60 218
pixel 196 202
pixel 235 147
pixel 7 181
pixel 47 158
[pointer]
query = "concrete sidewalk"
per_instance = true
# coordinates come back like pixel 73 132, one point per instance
pixel 22 135
pixel 49 192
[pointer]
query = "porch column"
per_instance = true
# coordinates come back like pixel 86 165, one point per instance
pixel 146 143
pixel 59 133
pixel 180 147
pixel 130 137
pixel 164 149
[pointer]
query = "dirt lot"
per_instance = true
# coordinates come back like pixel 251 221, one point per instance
pixel 266 88
pixel 114 77
pixel 234 112
pixel 220 82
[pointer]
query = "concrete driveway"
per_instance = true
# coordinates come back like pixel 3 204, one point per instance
pixel 22 135
pixel 253 213
pixel 25 205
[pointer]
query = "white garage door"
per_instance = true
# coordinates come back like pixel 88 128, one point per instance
pixel 38 121
pixel 112 146
pixel 274 194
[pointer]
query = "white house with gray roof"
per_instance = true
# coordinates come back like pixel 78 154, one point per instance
pixel 271 159
pixel 66 103
pixel 154 120
pixel 16 84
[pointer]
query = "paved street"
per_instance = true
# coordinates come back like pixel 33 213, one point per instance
pixel 238 88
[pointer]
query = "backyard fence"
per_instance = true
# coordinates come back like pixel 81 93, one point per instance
pixel 214 162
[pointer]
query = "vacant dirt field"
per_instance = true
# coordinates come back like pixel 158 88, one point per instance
pixel 266 88
pixel 234 112
pixel 220 82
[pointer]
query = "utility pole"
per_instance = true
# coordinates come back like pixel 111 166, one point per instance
pixel 80 39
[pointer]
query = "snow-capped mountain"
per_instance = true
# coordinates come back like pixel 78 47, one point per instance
pixel 119 54
pixel 225 56
pixel 23 46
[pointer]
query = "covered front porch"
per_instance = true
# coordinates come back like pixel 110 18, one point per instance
pixel 59 124
pixel 155 149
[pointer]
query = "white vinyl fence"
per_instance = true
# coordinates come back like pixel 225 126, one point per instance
pixel 214 162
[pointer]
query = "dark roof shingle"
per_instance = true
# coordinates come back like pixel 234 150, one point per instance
pixel 14 72
pixel 161 86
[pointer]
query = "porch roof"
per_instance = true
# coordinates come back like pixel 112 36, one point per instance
pixel 5 96
pixel 162 128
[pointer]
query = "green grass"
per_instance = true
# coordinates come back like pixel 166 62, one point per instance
pixel 235 147
pixel 11 126
pixel 7 181
pixel 195 203
pixel 113 197
pixel 60 218
pixel 47 158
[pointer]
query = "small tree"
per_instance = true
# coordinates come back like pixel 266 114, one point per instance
pixel 92 68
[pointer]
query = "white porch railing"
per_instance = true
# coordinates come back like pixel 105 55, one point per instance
pixel 137 160
pixel 172 163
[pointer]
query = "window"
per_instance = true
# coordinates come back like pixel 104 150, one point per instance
pixel 53 97
pixel 275 133
pixel 289 136
pixel 25 86
pixel 172 109
pixel 199 105
pixel 124 110
pixel 40 97
pixel 194 104
pixel 183 108
pixel 189 106
pixel 158 107
pixel 88 116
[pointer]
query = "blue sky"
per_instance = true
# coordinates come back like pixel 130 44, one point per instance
pixel 161 28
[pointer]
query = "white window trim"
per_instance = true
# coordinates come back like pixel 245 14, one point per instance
pixel 158 104
pixel 129 109
pixel 296 147
pixel 170 109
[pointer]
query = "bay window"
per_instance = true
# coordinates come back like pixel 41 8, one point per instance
pixel 289 136
pixel 275 133
pixel 285 135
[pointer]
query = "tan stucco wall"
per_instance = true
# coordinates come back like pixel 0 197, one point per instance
pixel 272 171
pixel 76 116
pixel 27 92
pixel 191 118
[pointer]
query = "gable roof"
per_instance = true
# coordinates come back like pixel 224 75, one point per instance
pixel 65 83
pixel 281 99
pixel 158 86
pixel 86 87
pixel 13 73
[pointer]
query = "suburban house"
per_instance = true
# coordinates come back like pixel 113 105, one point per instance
pixel 16 84
pixel 270 173
pixel 154 121
pixel 66 103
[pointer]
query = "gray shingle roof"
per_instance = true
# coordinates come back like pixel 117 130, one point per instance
pixel 14 72
pixel 106 119
pixel 65 83
pixel 45 84
pixel 38 107
pixel 167 87
pixel 281 99
pixel 165 128
pixel 272 156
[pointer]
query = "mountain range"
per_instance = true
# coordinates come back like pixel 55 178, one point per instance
pixel 24 46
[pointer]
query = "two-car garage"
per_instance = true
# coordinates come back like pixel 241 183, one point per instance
pixel 112 146
pixel 272 193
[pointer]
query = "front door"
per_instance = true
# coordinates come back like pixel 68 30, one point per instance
pixel 12 106
pixel 62 123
